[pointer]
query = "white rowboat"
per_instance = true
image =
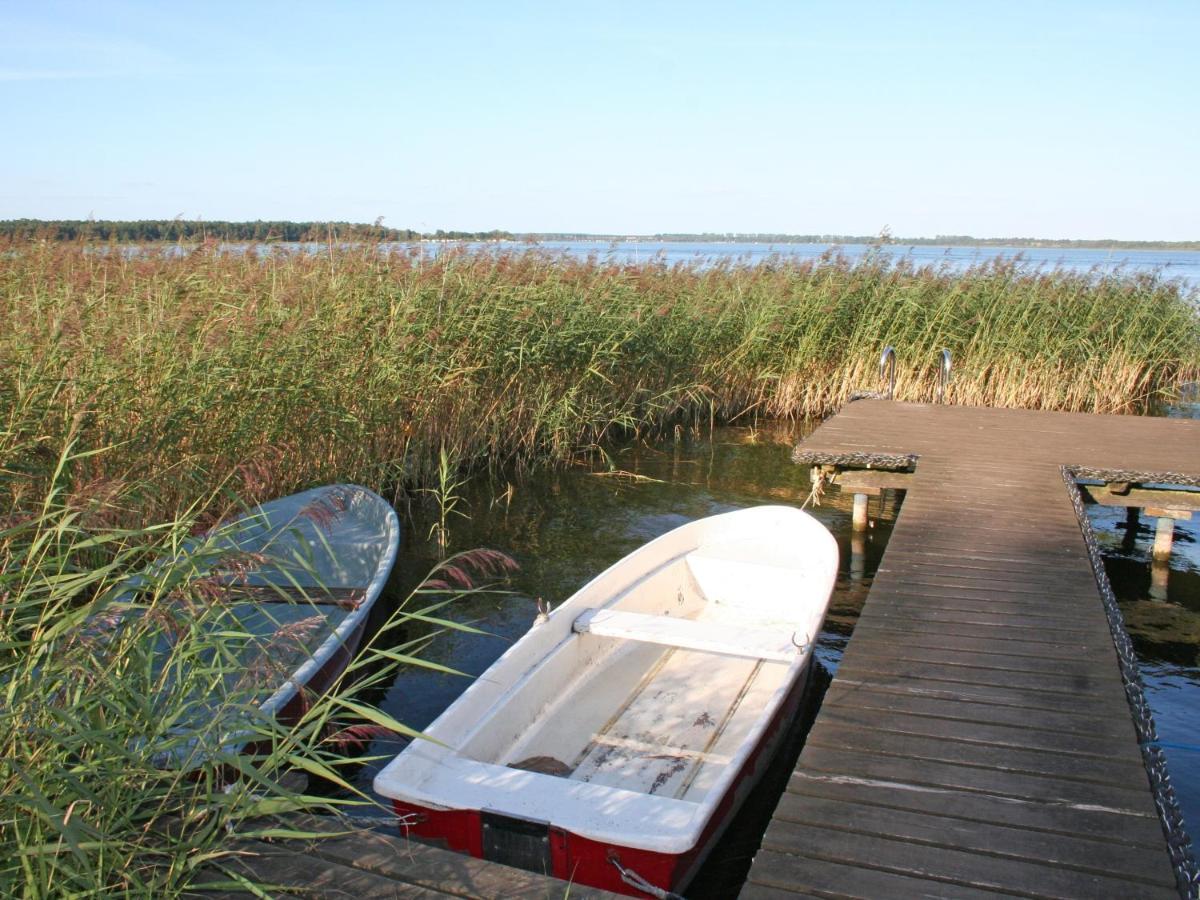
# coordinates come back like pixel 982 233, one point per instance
pixel 615 740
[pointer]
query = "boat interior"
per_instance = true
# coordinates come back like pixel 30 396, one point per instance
pixel 657 691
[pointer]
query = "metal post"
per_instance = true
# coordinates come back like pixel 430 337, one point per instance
pixel 887 362
pixel 943 375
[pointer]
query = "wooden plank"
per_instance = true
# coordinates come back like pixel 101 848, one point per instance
pixel 986 642
pixel 348 859
pixel 966 583
pixel 282 867
pixel 980 616
pixel 1085 854
pixel 1032 813
pixel 1118 773
pixel 992 659
pixel 980 620
pixel 456 874
pixel 1099 706
pixel 954 866
pixel 1029 735
pixel 1092 686
pixel 1144 497
pixel 863 695
pixel 950 563
pixel 850 480
pixel 1032 607
pixel 778 873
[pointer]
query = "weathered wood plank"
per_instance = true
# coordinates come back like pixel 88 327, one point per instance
pixel 831 734
pixel 991 658
pixel 1027 735
pixel 349 859
pixel 777 874
pixel 955 866
pixel 1134 800
pixel 888 698
pixel 1035 814
pixel 956 639
pixel 1098 706
pixel 1086 854
pixel 1093 686
pixel 281 867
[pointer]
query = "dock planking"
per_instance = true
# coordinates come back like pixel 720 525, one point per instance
pixel 976 738
pixel 346 858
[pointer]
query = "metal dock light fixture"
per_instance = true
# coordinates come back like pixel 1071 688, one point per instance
pixel 943 375
pixel 887 363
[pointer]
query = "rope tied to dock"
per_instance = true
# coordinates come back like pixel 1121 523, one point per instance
pixel 818 487
pixel 634 880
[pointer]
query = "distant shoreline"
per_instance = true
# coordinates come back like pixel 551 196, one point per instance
pixel 144 231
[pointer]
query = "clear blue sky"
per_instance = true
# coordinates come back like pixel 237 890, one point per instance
pixel 1054 119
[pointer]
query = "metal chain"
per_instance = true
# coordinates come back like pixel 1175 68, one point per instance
pixel 1179 844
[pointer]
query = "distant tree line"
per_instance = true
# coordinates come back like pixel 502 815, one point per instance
pixel 151 230
pixel 175 230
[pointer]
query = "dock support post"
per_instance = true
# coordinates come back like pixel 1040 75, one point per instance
pixel 1160 573
pixel 1164 535
pixel 860 512
pixel 1133 519
pixel 858 556
pixel 1164 531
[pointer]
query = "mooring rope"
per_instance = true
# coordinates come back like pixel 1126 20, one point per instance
pixel 633 879
pixel 817 477
pixel 1179 844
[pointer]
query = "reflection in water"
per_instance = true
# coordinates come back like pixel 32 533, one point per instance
pixel 564 527
pixel 1161 605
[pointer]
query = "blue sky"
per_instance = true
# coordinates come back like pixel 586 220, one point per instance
pixel 1007 119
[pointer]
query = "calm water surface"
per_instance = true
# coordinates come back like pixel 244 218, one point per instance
pixel 565 526
pixel 1183 265
pixel 1180 265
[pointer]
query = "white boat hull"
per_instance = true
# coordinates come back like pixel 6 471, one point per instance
pixel 631 723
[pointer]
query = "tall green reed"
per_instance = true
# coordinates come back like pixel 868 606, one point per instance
pixel 132 745
pixel 295 369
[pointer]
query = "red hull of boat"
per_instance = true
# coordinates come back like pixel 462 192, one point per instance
pixel 581 860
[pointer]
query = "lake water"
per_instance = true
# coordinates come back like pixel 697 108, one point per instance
pixel 1180 265
pixel 1183 265
pixel 565 526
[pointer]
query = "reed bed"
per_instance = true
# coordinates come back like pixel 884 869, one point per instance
pixel 133 752
pixel 293 368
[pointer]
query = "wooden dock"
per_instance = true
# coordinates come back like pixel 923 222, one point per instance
pixel 351 860
pixel 977 737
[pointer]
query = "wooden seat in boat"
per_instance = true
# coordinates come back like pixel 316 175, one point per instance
pixel 707 637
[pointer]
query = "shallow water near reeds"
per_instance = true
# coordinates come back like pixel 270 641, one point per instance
pixel 1173 264
pixel 565 526
pixel 1181 265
